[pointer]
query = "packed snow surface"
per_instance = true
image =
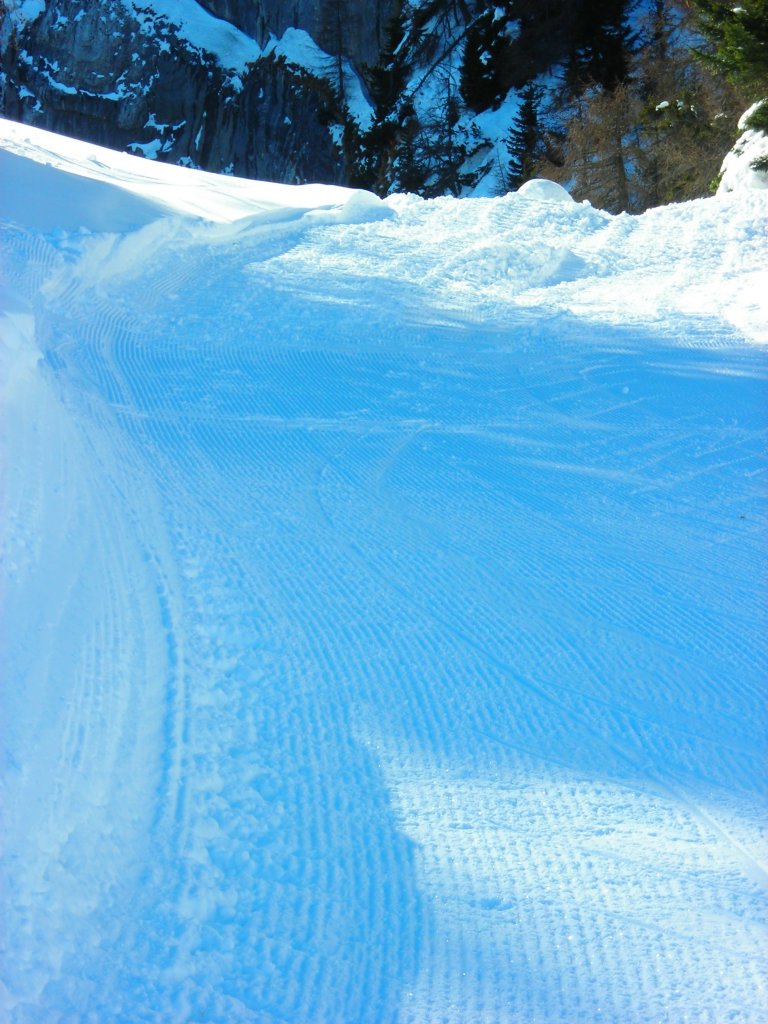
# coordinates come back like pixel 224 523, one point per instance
pixel 385 614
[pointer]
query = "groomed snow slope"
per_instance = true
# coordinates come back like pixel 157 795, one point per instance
pixel 385 604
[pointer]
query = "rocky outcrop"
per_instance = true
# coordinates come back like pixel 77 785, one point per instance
pixel 125 78
pixel 355 28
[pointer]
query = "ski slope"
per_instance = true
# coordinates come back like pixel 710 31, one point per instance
pixel 385 607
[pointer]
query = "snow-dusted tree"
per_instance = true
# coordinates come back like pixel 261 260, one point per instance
pixel 391 122
pixel 739 37
pixel 486 66
pixel 439 146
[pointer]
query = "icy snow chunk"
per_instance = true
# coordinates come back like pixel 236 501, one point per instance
pixel 545 191
pixel 362 208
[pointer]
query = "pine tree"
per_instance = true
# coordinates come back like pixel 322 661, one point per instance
pixel 335 16
pixel 524 139
pixel 390 123
pixel 739 34
pixel 603 46
pixel 485 70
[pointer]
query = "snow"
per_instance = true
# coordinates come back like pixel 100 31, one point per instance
pixel 149 150
pixel 231 47
pixel 150 192
pixel 545 191
pixel 23 11
pixel 738 171
pixel 235 50
pixel 385 613
pixel 299 50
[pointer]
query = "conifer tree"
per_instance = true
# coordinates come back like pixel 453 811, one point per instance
pixel 438 147
pixel 739 34
pixel 524 139
pixel 603 46
pixel 391 122
pixel 485 69
pixel 335 18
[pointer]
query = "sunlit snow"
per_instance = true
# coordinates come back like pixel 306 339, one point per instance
pixel 385 615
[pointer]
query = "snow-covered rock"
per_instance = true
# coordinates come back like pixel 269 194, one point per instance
pixel 739 170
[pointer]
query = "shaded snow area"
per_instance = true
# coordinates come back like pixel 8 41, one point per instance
pixel 385 615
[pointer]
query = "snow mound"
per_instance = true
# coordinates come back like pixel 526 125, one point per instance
pixel 362 208
pixel 739 172
pixel 545 191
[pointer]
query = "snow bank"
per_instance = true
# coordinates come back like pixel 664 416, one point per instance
pixel 102 190
pixel 45 198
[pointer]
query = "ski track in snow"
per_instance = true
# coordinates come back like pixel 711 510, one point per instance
pixel 392 637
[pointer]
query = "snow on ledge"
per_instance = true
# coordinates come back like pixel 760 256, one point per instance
pixel 232 48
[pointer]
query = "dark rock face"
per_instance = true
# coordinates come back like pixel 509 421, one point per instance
pixel 353 27
pixel 123 79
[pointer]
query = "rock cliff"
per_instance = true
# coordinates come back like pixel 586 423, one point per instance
pixel 183 89
pixel 355 28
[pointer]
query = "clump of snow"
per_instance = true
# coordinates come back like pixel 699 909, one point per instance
pixel 363 208
pixel 746 166
pixel 545 191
